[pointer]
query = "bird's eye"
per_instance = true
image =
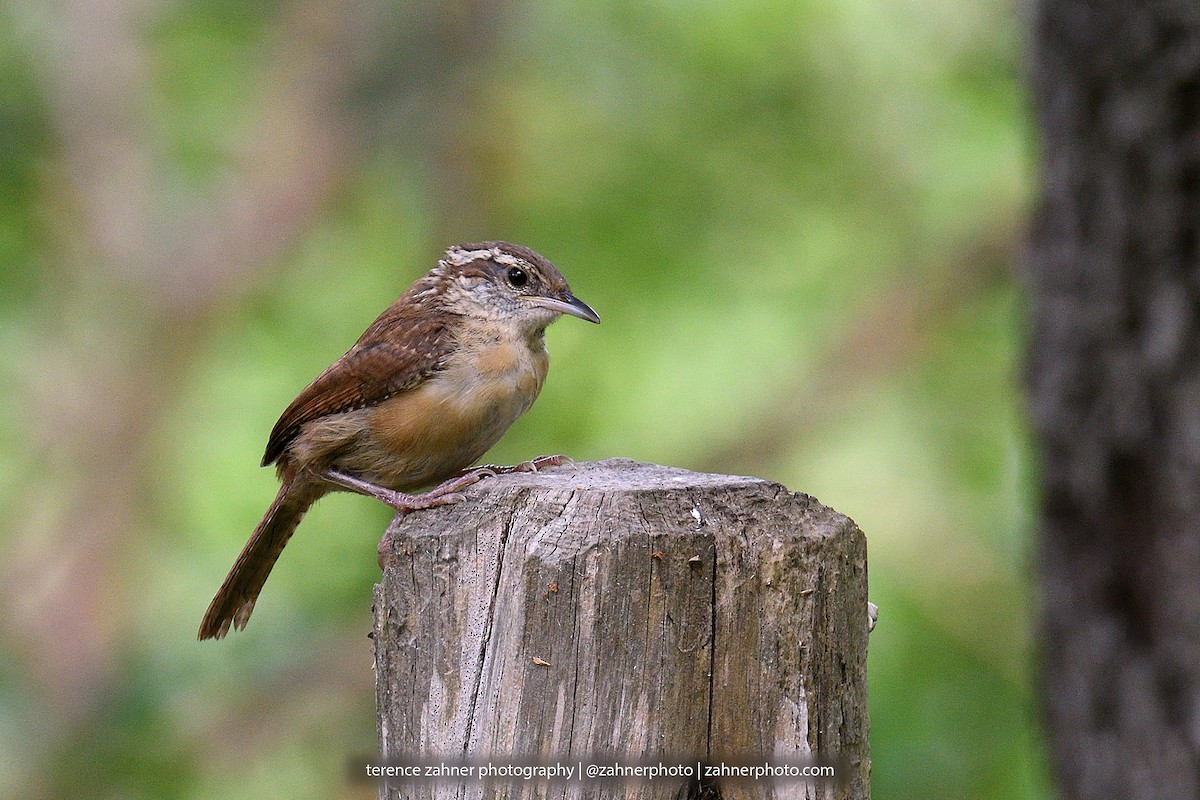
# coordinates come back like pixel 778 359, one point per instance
pixel 517 276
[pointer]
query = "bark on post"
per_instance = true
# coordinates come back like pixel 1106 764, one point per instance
pixel 629 612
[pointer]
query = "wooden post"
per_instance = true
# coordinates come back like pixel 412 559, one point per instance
pixel 624 613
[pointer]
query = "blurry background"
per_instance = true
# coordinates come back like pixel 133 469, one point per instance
pixel 797 220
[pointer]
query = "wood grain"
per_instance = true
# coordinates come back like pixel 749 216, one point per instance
pixel 629 612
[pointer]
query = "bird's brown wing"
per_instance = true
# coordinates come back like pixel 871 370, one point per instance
pixel 402 347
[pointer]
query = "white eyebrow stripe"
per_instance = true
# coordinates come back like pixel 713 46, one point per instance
pixel 508 259
pixel 459 258
pixel 456 257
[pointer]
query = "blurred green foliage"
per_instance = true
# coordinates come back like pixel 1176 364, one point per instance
pixel 796 220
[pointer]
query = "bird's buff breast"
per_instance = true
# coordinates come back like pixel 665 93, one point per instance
pixel 446 424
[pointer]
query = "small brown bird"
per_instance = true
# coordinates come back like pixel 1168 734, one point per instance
pixel 433 383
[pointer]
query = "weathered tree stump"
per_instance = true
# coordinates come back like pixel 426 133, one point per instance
pixel 624 613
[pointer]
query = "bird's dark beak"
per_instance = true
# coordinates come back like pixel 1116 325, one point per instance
pixel 567 304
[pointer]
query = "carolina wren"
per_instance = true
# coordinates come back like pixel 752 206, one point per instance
pixel 430 386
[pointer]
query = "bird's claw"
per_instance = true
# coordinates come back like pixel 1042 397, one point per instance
pixel 533 465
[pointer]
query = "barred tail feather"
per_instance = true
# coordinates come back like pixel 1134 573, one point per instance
pixel 235 599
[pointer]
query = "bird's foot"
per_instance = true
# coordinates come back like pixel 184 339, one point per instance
pixel 541 462
pixel 444 494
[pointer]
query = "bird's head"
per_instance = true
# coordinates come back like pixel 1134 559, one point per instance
pixel 503 281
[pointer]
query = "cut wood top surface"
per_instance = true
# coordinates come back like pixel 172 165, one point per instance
pixel 620 474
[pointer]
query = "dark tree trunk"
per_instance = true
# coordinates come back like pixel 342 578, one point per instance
pixel 1115 393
